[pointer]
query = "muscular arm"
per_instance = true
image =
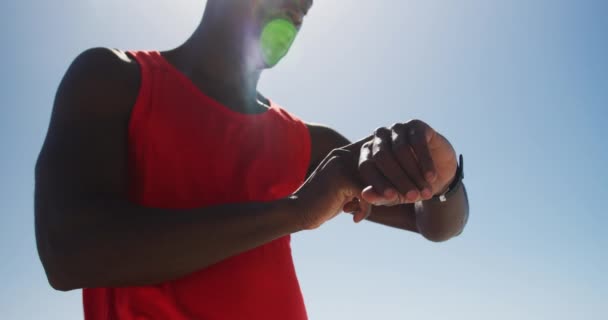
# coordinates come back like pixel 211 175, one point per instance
pixel 435 221
pixel 88 233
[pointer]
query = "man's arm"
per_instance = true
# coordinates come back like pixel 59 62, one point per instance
pixel 88 232
pixel 434 220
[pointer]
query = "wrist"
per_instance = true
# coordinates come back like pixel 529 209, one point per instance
pixel 446 187
pixel 454 184
pixel 293 217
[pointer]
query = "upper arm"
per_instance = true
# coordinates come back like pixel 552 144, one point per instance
pixel 85 150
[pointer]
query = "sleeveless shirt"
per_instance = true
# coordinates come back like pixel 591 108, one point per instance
pixel 186 151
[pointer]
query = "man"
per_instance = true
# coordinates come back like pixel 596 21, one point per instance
pixel 168 187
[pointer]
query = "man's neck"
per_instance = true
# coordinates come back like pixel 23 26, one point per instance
pixel 218 66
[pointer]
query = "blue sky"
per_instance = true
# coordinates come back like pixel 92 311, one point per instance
pixel 519 87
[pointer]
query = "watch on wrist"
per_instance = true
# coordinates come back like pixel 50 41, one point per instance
pixel 455 185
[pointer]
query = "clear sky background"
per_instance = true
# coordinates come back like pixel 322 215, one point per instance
pixel 520 88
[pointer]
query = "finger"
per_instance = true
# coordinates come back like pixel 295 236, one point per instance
pixel 419 134
pixel 370 195
pixel 363 212
pixel 407 160
pixel 371 176
pixel 345 165
pixel 352 206
pixel 388 164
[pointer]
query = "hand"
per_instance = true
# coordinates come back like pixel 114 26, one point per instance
pixel 407 163
pixel 334 183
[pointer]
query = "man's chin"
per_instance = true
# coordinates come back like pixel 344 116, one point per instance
pixel 269 64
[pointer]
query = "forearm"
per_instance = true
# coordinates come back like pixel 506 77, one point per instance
pixel 401 217
pixel 436 221
pixel 136 246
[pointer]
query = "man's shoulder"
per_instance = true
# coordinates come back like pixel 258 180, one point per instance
pixel 101 77
pixel 102 57
pixel 104 66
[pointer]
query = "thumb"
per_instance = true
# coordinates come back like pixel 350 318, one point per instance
pixel 352 185
pixel 361 209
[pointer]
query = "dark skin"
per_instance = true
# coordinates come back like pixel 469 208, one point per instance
pixel 90 235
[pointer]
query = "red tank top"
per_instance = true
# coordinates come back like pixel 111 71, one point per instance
pixel 186 150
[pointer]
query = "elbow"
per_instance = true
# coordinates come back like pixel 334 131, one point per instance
pixel 72 263
pixel 440 222
pixel 61 286
pixel 60 283
pixel 58 274
pixel 62 255
pixel 437 236
pixel 58 266
pixel 441 230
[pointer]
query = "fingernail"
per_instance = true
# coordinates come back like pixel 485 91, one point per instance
pixel 412 195
pixel 430 176
pixel 426 193
pixel 390 193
